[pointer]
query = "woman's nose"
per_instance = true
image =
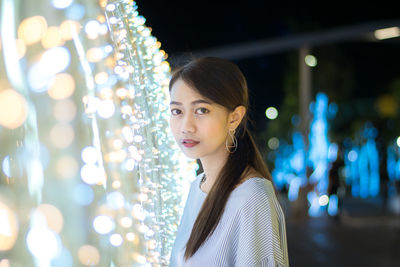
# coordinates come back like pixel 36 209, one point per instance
pixel 188 125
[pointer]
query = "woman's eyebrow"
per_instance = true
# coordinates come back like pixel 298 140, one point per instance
pixel 199 101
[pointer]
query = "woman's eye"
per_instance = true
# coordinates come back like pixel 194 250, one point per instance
pixel 202 110
pixel 175 111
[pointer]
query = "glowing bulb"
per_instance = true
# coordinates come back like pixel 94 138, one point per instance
pixel 130 236
pixel 43 243
pixel 310 61
pixel 53 217
pixel 69 28
pixel 61 4
pixel 89 155
pixel 387 33
pixel 273 143
pixel 94 54
pixel 103 224
pixel 63 86
pixel 52 38
pixel 126 222
pixel 92 28
pixel 6 166
pixel 352 156
pixel 398 141
pixel 13 109
pixel 271 113
pixel 8 228
pixel 115 200
pixel 89 255
pixel 116 240
pixel 91 174
pixel 32 29
pixel 55 60
pixel 106 109
pixel 323 200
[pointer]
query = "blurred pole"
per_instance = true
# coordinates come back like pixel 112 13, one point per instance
pixel 300 205
pixel 304 94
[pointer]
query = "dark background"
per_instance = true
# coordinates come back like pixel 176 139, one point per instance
pixel 353 73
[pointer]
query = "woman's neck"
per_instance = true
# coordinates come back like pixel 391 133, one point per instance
pixel 212 166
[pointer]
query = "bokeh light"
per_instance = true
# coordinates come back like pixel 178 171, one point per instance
pixel 63 86
pixel 61 4
pixel 271 113
pixel 52 38
pixel 116 240
pixel 62 135
pixel 66 167
pixel 89 255
pixel 83 194
pixel 103 224
pixel 53 216
pixel 8 227
pixel 43 243
pixel 13 109
pixel 32 29
pixel 310 60
pixel 65 110
pixel 273 143
pixel 69 28
pixel 5 166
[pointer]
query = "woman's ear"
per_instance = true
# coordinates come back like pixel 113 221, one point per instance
pixel 236 116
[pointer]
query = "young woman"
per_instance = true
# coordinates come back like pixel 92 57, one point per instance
pixel 232 216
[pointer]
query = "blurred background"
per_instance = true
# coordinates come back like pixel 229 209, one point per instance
pixel 90 175
pixel 325 92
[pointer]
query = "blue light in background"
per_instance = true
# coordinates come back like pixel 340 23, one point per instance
pixel 333 205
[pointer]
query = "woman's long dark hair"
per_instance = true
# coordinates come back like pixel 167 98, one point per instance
pixel 222 82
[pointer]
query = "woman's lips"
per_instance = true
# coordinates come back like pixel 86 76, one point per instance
pixel 189 142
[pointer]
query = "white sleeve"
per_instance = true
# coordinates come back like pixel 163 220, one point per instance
pixel 262 233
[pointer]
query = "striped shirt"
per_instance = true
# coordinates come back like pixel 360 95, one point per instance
pixel 251 231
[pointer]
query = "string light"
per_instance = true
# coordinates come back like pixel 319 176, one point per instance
pixel 111 161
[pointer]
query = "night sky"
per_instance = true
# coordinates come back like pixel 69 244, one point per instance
pixel 184 27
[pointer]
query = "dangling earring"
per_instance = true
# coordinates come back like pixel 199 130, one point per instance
pixel 234 142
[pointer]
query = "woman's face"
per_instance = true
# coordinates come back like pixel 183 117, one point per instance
pixel 199 126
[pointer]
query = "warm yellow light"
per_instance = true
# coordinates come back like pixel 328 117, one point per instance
pixel 387 33
pixel 103 3
pixel 53 217
pixel 116 184
pixel 13 109
pixel 88 255
pixel 69 28
pixel 8 228
pixel 52 38
pixel 32 29
pixel 62 87
pixel 4 263
pixel 64 110
pixel 106 93
pixel 101 77
pixel 94 54
pixel 101 18
pixel 21 48
pixel 62 135
pixel 67 167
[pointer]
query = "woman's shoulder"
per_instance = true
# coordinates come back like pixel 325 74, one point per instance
pixel 253 190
